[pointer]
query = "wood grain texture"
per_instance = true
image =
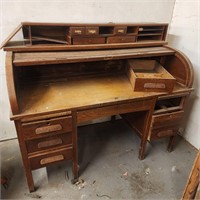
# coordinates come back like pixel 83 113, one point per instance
pixel 42 58
pixel 18 46
pixel 11 86
pixel 193 181
pixel 78 94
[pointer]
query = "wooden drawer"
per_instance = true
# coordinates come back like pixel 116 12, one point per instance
pixel 163 132
pixel 94 113
pixel 88 40
pixel 49 142
pixel 92 31
pixel 149 76
pixel 76 31
pixel 121 39
pixel 46 159
pixel 167 119
pixel 120 30
pixel 45 128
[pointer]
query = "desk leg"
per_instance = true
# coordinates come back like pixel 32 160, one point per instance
pixel 144 136
pixel 75 146
pixel 24 153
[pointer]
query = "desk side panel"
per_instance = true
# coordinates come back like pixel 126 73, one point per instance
pixel 11 83
pixel 180 67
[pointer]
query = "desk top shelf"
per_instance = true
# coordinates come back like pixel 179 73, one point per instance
pixel 69 36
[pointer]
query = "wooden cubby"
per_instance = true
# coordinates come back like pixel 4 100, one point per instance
pixel 63 36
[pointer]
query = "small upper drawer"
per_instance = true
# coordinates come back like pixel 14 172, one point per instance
pixel 77 31
pixel 44 128
pixel 167 119
pixel 92 30
pixel 50 142
pixel 120 30
pixel 88 40
pixel 121 39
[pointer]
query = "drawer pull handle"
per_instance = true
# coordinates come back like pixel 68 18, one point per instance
pixel 48 160
pixel 92 31
pixel 120 31
pixel 49 143
pixel 154 85
pixel 78 32
pixel 47 129
pixel 165 133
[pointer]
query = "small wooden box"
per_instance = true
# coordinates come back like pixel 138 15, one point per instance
pixel 149 76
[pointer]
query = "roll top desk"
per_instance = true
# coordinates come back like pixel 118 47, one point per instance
pixel 61 75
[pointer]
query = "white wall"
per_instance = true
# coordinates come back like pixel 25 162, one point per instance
pixel 184 34
pixel 15 11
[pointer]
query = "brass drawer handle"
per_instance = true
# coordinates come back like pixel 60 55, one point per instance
pixel 49 143
pixel 78 32
pixel 154 85
pixel 47 129
pixel 120 30
pixel 92 31
pixel 48 160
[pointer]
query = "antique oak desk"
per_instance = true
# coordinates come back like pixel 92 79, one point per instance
pixel 61 75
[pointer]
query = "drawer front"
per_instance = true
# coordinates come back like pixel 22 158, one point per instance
pixel 45 128
pixel 163 132
pixel 94 113
pixel 77 31
pixel 92 30
pixel 120 30
pixel 122 39
pixel 47 159
pixel 88 40
pixel 167 119
pixel 49 142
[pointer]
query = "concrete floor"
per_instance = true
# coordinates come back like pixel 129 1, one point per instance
pixel 109 167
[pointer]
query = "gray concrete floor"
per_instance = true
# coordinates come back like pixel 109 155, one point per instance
pixel 109 168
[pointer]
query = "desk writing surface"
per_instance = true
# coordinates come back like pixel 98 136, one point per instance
pixel 77 93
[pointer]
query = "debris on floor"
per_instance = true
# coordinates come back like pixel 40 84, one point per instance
pixel 104 195
pixel 125 175
pixel 80 183
pixel 4 182
pixel 147 171
pixel 173 169
pixel 33 195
